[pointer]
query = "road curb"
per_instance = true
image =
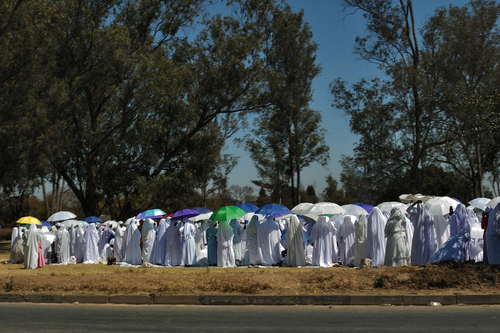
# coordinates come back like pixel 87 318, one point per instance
pixel 377 300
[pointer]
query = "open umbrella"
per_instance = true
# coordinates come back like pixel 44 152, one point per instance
pixel 201 210
pixel 29 220
pixel 493 202
pixel 479 203
pixel 92 219
pixel 389 205
pixel 61 216
pixel 248 207
pixel 184 214
pixel 227 213
pixel 301 208
pixel 273 209
pixel 323 208
pixel 46 224
pixel 151 214
pixel 366 207
pixel 354 210
pixel 441 205
pixel 201 217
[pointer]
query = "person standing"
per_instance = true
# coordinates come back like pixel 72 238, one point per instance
pixel 397 252
pixel 90 248
pixel 225 251
pixel 295 243
pixel 322 237
pixel 212 244
pixel 187 233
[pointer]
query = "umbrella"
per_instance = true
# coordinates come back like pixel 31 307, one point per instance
pixel 409 198
pixel 92 219
pixel 167 215
pixel 366 207
pixel 322 208
pixel 441 205
pixel 184 214
pixel 273 209
pixel 227 213
pixel 389 205
pixel 493 202
pixel 151 214
pixel 354 210
pixel 248 207
pixel 69 223
pixel 46 224
pixel 201 217
pixel 479 203
pixel 301 208
pixel 201 210
pixel 61 216
pixel 29 220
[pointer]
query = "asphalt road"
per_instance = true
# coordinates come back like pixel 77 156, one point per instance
pixel 26 317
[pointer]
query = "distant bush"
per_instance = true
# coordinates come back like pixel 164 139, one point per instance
pixel 5 233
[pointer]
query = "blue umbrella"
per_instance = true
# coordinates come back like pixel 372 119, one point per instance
pixel 151 214
pixel 273 209
pixel 201 210
pixel 45 223
pixel 248 207
pixel 92 219
pixel 184 214
pixel 366 207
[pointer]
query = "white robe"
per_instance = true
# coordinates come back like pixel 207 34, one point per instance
pixel 237 243
pixel 63 246
pixel 375 237
pixel 424 243
pixel 79 244
pixel 225 251
pixel 322 237
pixel 398 251
pixel 31 248
pixel 173 255
pixel 148 240
pixel 295 243
pixel 161 248
pixel 13 240
pixel 346 243
pixel 91 238
pixel 133 247
pixel 118 246
pixel 360 240
pixel 493 236
pixel 188 232
pixel 252 242
pixel 268 238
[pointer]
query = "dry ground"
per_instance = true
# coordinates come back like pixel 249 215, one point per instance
pixel 442 278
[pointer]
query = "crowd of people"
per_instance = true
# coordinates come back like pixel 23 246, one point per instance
pixel 392 238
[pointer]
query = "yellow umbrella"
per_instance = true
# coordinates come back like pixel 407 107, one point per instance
pixel 29 220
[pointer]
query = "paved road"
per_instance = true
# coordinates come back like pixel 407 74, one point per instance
pixel 25 317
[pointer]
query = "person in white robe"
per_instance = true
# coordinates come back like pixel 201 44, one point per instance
pixel 72 240
pixel 173 255
pixel 322 237
pixel 424 243
pixel 268 240
pixel 63 246
pixel 91 248
pixel 252 242
pixel 397 252
pixel 79 243
pixel 118 246
pixel 212 244
pixel 133 247
pixel 161 234
pixel 148 240
pixel 375 237
pixel 346 240
pixel 295 243
pixel 225 250
pixel 459 221
pixel 237 244
pixel 187 232
pixel 31 248
pixel 360 240
pixel 493 236
pixel 15 237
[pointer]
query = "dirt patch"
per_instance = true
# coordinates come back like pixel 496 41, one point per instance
pixel 440 278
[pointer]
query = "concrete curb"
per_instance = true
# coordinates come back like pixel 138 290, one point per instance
pixel 470 299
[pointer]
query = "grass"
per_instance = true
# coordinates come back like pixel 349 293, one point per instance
pixel 115 280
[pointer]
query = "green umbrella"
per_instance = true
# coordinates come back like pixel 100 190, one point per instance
pixel 227 213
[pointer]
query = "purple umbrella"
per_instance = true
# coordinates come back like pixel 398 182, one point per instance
pixel 184 214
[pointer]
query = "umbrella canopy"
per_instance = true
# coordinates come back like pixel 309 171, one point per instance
pixel 201 210
pixel 389 205
pixel 227 213
pixel 46 224
pixel 301 208
pixel 354 210
pixel 441 205
pixel 366 207
pixel 151 214
pixel 323 208
pixel 273 209
pixel 29 220
pixel 493 202
pixel 184 214
pixel 69 223
pixel 201 217
pixel 409 198
pixel 61 216
pixel 248 207
pixel 92 219
pixel 479 203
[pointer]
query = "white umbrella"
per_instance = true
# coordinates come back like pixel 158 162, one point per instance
pixel 354 210
pixel 441 205
pixel 61 216
pixel 493 202
pixel 479 203
pixel 322 208
pixel 69 223
pixel 201 217
pixel 389 205
pixel 409 198
pixel 301 208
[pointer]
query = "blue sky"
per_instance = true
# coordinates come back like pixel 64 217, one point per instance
pixel 334 31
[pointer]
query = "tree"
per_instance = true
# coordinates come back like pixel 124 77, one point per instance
pixel 331 193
